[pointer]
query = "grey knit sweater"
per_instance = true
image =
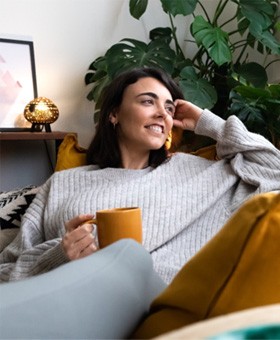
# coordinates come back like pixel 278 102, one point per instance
pixel 184 202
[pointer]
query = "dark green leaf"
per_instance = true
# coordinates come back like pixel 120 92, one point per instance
pixel 252 92
pixel 162 33
pixel 243 25
pixel 197 90
pixel 188 73
pixel 98 76
pixel 89 78
pixel 257 11
pixel 96 116
pixel 213 39
pixel 174 7
pixel 265 37
pixel 268 103
pixel 130 53
pixel 250 114
pixel 254 73
pixel 137 8
pixel 261 15
pixel 180 63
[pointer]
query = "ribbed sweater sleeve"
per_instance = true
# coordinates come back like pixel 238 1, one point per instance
pixel 29 254
pixel 252 157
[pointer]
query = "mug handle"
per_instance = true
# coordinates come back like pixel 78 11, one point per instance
pixel 92 221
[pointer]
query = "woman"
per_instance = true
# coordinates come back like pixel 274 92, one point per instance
pixel 184 199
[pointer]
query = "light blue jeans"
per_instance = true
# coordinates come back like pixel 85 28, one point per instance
pixel 103 296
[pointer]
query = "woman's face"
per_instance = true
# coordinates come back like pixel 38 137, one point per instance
pixel 145 116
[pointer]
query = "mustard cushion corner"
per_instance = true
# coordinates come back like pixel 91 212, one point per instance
pixel 70 154
pixel 237 269
pixel 208 152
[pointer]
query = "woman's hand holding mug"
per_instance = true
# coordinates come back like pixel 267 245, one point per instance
pixel 79 240
pixel 111 224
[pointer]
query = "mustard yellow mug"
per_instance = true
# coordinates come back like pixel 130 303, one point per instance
pixel 118 223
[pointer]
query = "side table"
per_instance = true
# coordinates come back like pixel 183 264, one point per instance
pixel 28 157
pixel 56 136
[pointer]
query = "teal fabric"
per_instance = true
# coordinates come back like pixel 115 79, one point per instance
pixel 103 296
pixel 256 332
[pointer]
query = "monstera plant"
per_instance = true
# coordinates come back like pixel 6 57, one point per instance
pixel 221 75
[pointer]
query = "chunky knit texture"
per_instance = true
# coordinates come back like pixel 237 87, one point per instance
pixel 184 202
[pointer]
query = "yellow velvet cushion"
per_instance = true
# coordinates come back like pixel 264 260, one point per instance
pixel 70 154
pixel 238 269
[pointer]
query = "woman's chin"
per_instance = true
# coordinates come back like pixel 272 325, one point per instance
pixel 157 147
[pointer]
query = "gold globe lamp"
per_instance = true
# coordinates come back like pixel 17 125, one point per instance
pixel 41 112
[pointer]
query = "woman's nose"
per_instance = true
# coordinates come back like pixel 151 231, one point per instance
pixel 162 112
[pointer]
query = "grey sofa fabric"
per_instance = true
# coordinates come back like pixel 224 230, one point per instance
pixel 103 296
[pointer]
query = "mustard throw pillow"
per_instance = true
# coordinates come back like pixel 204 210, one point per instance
pixel 237 269
pixel 70 154
pixel 208 152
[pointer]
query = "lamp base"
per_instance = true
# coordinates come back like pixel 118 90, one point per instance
pixel 37 127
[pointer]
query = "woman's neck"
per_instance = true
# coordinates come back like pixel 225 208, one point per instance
pixel 135 161
pixel 135 165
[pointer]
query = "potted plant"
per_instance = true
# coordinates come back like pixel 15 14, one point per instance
pixel 221 75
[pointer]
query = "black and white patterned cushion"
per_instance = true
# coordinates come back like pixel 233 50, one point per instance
pixel 13 205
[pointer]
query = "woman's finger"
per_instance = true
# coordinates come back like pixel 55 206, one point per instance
pixel 76 241
pixel 90 249
pixel 77 221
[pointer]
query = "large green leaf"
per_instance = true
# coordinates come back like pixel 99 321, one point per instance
pixel 254 73
pixel 130 53
pixel 265 37
pixel 213 39
pixel 174 7
pixel 259 109
pixel 137 8
pixel 261 15
pixel 98 76
pixel 197 90
pixel 249 113
pixel 257 11
pixel 252 92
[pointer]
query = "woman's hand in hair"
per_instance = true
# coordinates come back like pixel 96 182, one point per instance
pixel 186 115
pixel 79 240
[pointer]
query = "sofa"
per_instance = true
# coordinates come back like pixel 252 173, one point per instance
pixel 230 288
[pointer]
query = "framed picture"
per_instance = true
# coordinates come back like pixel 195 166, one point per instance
pixel 18 84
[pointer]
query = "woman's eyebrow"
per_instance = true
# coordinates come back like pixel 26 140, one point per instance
pixel 155 96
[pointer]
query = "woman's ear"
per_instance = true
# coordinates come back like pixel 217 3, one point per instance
pixel 113 118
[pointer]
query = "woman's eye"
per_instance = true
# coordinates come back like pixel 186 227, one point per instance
pixel 147 101
pixel 170 110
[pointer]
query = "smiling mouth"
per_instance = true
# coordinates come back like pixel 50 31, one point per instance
pixel 155 128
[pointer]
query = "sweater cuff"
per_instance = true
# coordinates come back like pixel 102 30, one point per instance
pixel 58 257
pixel 209 125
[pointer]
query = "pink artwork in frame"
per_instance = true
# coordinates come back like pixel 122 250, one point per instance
pixel 17 81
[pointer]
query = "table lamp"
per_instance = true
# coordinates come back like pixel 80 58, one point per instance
pixel 41 112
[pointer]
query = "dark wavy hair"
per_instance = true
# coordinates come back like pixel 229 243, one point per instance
pixel 104 148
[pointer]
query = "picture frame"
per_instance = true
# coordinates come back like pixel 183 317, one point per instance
pixel 18 85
